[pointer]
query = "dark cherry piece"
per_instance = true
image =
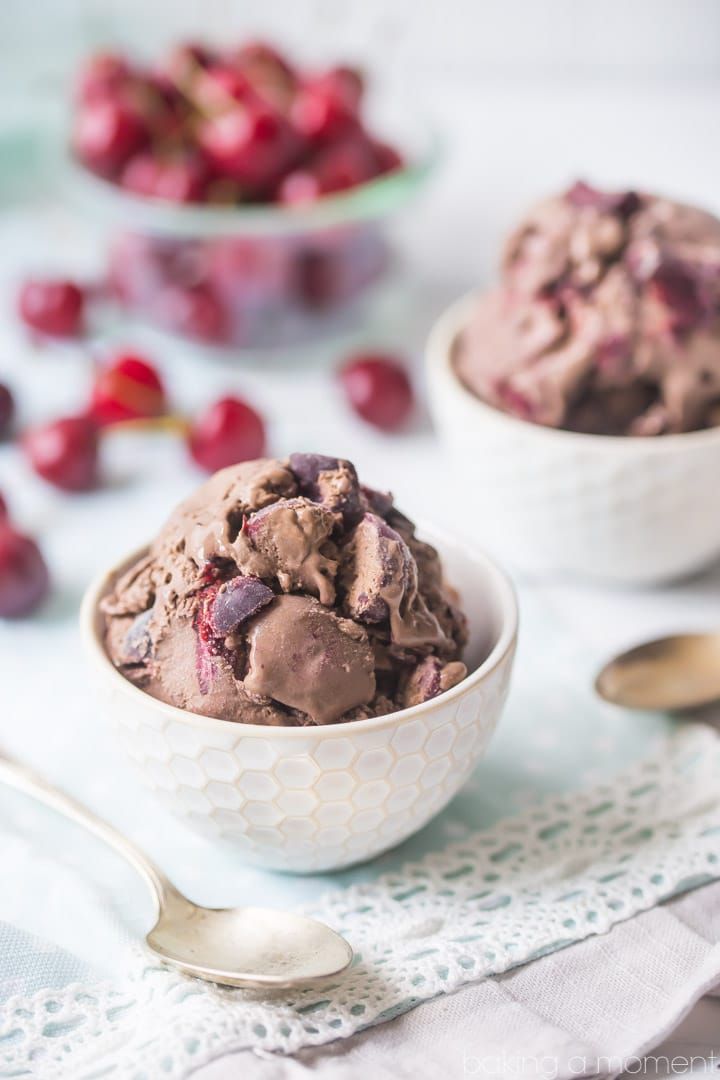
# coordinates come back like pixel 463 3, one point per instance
pixel 65 452
pixel 227 432
pixel 237 601
pixel 622 203
pixel 127 389
pixel 24 577
pixel 678 289
pixel 7 410
pixel 378 389
pixel 52 307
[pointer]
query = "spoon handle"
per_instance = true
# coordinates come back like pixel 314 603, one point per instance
pixel 23 779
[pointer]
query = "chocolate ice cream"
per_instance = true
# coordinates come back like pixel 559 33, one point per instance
pixel 284 592
pixel 607 318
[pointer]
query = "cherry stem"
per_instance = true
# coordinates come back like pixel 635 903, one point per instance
pixel 173 423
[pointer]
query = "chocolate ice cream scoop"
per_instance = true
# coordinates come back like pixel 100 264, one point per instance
pixel 284 592
pixel 304 656
pixel 607 317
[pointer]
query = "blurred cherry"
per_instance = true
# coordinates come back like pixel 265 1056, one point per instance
pixel 106 134
pixel 177 179
pixel 346 164
pixel 4 512
pixel 194 312
pixel 65 452
pixel 299 186
pixel 129 388
pixel 378 389
pixel 227 432
pixel 250 143
pixel 101 76
pixel 326 108
pixel 24 577
pixel 55 307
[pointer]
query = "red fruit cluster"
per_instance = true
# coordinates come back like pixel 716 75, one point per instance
pixel 24 577
pixel 235 126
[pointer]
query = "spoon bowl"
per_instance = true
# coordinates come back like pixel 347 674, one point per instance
pixel 670 674
pixel 249 946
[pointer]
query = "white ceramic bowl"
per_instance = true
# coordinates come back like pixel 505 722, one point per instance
pixel 616 509
pixel 320 798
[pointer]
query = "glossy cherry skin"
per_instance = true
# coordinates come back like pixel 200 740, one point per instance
pixel 227 432
pixel 251 143
pixel 101 76
pixel 24 577
pixel 127 389
pixel 346 164
pixel 180 180
pixel 378 389
pixel 65 452
pixel 7 410
pixel 326 108
pixel 52 307
pixel 106 134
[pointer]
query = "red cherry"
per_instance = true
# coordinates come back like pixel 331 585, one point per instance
pixel 180 180
pixel 101 76
pixel 127 389
pixel 52 307
pixel 106 134
pixel 251 143
pixel 193 312
pixel 346 164
pixel 378 389
pixel 388 158
pixel 4 512
pixel 7 410
pixel 24 577
pixel 225 433
pixel 299 186
pixel 65 452
pixel 325 109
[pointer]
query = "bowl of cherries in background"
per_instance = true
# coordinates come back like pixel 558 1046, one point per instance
pixel 247 201
pixel 247 198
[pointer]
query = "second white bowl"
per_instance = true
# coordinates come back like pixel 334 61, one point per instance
pixel 616 509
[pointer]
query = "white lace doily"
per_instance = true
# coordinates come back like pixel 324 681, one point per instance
pixel 567 868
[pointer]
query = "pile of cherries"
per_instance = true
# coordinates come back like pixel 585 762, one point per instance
pixel 65 452
pixel 242 125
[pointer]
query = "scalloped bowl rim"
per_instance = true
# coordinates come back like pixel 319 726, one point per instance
pixel 441 344
pixel 506 637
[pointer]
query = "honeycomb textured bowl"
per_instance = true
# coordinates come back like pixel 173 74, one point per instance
pixel 320 798
pixel 615 509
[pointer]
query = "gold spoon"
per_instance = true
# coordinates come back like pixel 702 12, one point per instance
pixel 670 674
pixel 248 946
